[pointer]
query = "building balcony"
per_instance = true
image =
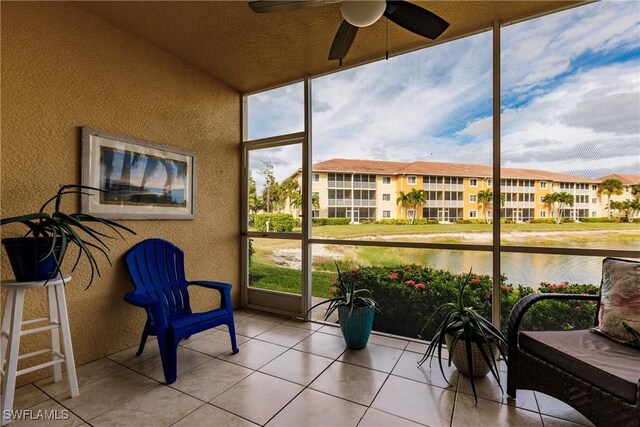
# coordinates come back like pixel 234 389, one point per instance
pixel 339 184
pixel 365 185
pixel 340 202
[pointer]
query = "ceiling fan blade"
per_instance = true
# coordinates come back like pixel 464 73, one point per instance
pixel 267 6
pixel 415 19
pixel 343 40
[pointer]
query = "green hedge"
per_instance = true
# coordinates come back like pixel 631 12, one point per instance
pixel 599 219
pixel 331 221
pixel 278 223
pixel 542 221
pixel 401 221
pixel 406 306
pixel 471 221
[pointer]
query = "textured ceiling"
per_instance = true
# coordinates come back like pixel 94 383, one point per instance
pixel 250 52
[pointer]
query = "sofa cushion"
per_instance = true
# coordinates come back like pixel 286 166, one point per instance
pixel 594 358
pixel 619 312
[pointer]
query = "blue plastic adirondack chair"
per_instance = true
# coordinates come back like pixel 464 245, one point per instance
pixel 156 268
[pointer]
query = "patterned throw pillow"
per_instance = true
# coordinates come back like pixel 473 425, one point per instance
pixel 620 300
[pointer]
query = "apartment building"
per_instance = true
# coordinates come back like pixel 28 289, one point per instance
pixel 368 190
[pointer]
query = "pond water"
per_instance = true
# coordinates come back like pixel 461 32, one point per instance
pixel 519 268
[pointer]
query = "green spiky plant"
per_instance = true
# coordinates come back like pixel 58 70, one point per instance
pixel 466 325
pixel 346 295
pixel 61 230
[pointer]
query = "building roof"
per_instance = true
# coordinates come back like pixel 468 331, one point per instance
pixel 627 179
pixel 441 169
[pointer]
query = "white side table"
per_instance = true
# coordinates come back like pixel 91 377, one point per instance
pixel 57 323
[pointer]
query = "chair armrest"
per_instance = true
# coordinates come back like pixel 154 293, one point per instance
pixel 223 288
pixel 140 300
pixel 519 310
pixel 155 307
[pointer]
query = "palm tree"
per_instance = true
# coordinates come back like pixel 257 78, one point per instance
pixel 609 187
pixel 635 191
pixel 296 200
pixel 563 199
pixel 412 199
pixel 550 200
pixel 403 200
pixel 485 199
pixel 556 203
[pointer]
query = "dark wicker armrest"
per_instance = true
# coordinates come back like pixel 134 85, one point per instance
pixel 519 310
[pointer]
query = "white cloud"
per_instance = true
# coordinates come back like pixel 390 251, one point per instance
pixel 435 104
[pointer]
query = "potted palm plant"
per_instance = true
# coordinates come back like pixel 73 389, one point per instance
pixel 355 311
pixel 472 341
pixel 38 255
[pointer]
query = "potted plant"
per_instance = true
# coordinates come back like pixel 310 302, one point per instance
pixel 472 341
pixel 355 311
pixel 39 254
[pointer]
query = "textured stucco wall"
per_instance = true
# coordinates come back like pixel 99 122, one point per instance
pixel 63 68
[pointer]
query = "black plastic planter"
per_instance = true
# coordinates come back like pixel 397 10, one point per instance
pixel 29 260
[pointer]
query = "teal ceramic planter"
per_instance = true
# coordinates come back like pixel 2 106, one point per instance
pixel 356 325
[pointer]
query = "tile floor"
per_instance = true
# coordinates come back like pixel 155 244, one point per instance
pixel 288 373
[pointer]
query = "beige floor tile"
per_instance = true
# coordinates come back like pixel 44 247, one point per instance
pixel 214 344
pixel 27 396
pixel 128 357
pixel 107 393
pixel 271 317
pixel 85 374
pixel 286 336
pixel 331 330
pixel 210 416
pixel 548 421
pixel 297 323
pixel 312 408
pixel 253 327
pixel 375 418
pixel 351 382
pixel 417 347
pixel 323 345
pixel 388 341
pixel 297 366
pixel 161 406
pixel 558 409
pixel 254 354
pixel 187 360
pixel 490 413
pixel 210 379
pixel 239 315
pixel 487 388
pixel 373 356
pixel 526 399
pixel 408 367
pixel 258 397
pixel 418 402
pixel 48 413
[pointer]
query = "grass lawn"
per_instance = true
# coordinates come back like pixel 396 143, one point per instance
pixel 351 231
pixel 264 274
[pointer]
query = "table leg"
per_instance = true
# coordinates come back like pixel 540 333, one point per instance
pixel 66 339
pixel 9 388
pixel 55 333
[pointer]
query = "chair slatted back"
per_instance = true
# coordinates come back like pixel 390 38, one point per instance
pixel 156 268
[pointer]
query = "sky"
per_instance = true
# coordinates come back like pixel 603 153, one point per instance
pixel 570 100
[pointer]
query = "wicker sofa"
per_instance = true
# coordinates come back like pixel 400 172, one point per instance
pixel 597 376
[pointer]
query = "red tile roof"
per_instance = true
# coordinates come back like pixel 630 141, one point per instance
pixel 440 169
pixel 627 179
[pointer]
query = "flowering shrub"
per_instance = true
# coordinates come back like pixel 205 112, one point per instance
pixel 410 293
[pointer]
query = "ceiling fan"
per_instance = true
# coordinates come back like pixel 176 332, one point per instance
pixel 360 13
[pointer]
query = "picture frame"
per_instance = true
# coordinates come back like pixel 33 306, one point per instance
pixel 140 179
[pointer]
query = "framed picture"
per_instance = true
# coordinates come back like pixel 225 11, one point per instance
pixel 140 179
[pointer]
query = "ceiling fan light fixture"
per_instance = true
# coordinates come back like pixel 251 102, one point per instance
pixel 362 13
